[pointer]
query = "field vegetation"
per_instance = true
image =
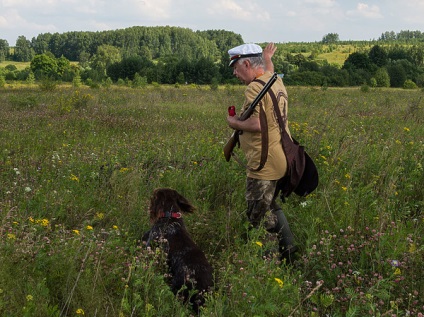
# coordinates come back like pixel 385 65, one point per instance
pixel 77 167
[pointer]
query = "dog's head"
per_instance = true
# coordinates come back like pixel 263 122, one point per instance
pixel 165 200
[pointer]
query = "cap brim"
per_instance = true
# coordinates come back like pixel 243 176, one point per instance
pixel 233 61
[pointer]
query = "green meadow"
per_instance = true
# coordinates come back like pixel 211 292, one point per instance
pixel 78 165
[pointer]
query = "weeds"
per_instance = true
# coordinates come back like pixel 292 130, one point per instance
pixel 77 166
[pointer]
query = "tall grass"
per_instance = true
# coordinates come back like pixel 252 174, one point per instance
pixel 77 167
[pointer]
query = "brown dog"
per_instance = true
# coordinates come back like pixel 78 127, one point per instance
pixel 188 265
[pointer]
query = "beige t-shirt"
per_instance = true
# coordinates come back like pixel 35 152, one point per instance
pixel 251 142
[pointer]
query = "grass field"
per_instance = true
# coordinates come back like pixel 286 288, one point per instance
pixel 77 167
pixel 19 65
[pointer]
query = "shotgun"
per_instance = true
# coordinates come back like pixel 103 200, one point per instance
pixel 234 139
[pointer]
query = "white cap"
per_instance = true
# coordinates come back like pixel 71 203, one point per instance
pixel 244 50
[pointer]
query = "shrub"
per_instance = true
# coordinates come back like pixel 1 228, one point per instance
pixel 409 84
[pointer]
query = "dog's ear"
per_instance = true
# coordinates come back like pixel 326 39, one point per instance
pixel 184 204
pixel 156 205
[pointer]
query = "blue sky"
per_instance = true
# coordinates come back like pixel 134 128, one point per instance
pixel 255 20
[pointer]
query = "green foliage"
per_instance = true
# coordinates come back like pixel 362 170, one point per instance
pixel 23 51
pixel 47 83
pixel 44 66
pixel 397 75
pixel 382 78
pixel 76 82
pixel 78 167
pixel 31 78
pixel 378 56
pixel 330 38
pixel 139 81
pixel 169 55
pixel 409 84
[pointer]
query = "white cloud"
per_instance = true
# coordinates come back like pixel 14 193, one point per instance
pixel 366 11
pixel 153 9
pixel 247 11
pixel 254 20
pixel 322 3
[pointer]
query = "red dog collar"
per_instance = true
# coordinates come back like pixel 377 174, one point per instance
pixel 168 214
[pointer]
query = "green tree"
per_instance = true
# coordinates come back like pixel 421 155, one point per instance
pixel 76 82
pixel 417 55
pixel 409 84
pixel 41 43
pixel 357 60
pixel 4 50
pixel 330 38
pixel 382 77
pixel 63 65
pixel 23 50
pixel 397 75
pixel 44 66
pixel 105 56
pixel 84 59
pixel 181 78
pixel 139 81
pixel 31 78
pixel 378 56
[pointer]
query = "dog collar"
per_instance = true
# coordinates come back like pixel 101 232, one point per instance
pixel 168 214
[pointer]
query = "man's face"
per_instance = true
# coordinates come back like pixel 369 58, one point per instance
pixel 241 70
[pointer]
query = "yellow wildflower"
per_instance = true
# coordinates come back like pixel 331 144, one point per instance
pixel 44 222
pixel 259 243
pixel 74 178
pixel 89 227
pixel 100 215
pixel 80 311
pixel 398 271
pixel 76 232
pixel 29 298
pixel 115 227
pixel 280 282
pixel 406 129
pixel 11 236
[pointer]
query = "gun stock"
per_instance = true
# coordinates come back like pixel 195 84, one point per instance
pixel 234 139
pixel 230 145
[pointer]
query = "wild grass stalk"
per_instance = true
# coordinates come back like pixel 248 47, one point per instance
pixel 77 167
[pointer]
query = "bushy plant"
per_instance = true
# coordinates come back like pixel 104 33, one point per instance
pixel 409 84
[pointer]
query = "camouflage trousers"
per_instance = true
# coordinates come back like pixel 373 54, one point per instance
pixel 261 203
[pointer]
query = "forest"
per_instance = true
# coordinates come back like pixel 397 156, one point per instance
pixel 139 55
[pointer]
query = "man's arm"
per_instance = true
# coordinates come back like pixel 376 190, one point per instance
pixel 267 54
pixel 251 124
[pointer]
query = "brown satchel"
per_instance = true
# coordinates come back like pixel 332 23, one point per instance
pixel 302 174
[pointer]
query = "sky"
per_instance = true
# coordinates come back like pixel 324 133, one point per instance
pixel 257 21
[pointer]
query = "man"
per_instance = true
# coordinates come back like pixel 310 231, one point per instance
pixel 249 64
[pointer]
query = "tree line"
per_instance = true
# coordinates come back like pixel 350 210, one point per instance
pixel 170 55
